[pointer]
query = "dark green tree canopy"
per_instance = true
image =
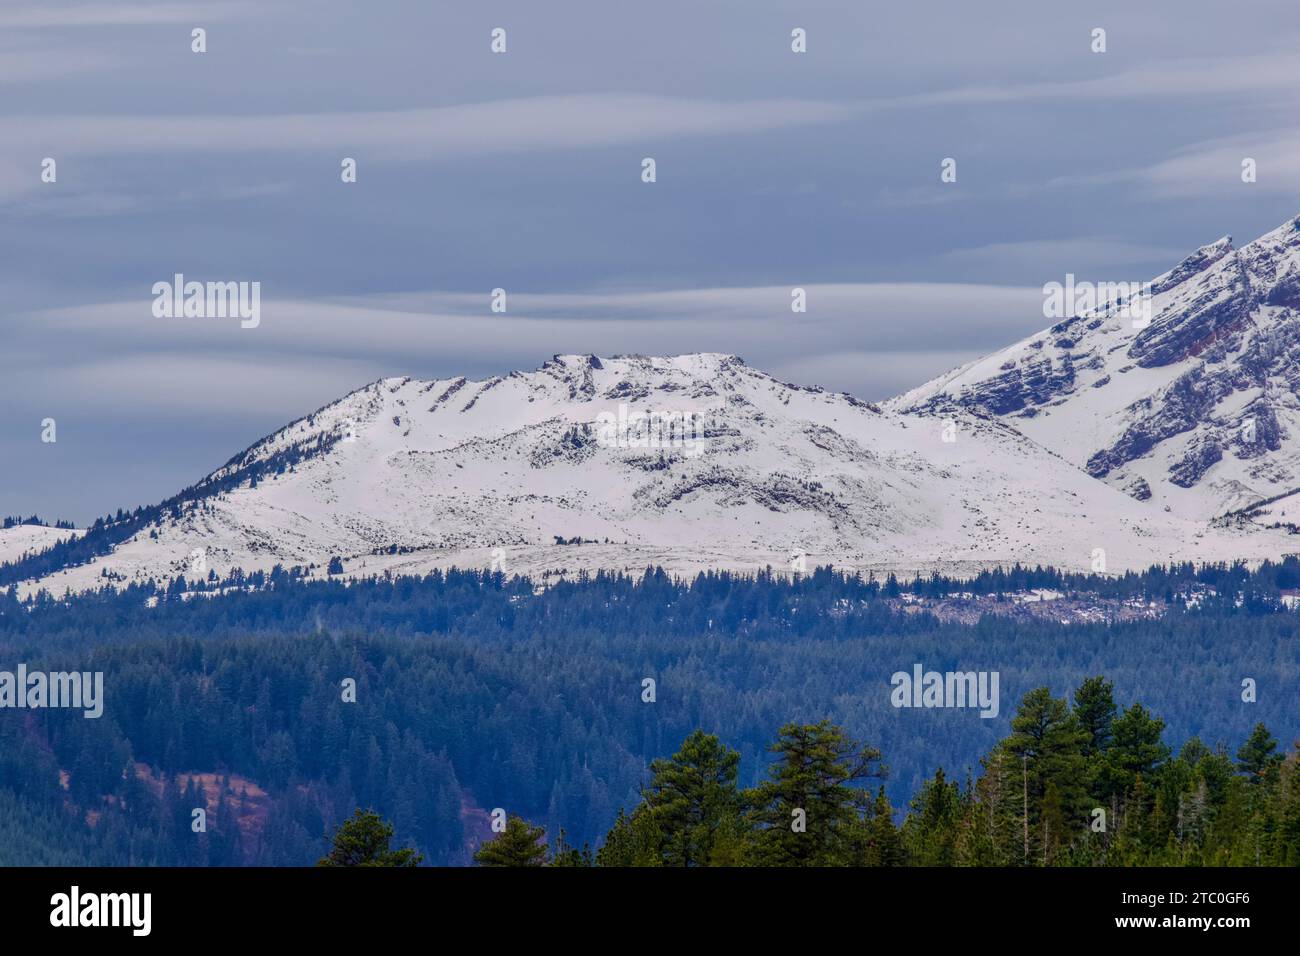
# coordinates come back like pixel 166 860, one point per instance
pixel 364 841
pixel 519 844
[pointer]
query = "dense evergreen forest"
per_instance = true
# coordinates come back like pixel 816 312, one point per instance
pixel 475 692
pixel 1074 784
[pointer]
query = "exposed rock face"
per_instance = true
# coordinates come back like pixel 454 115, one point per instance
pixel 1187 402
pixel 1259 433
pixel 1198 262
pixel 1023 386
pixel 1204 322
pixel 1204 397
pixel 1196 463
pixel 1139 489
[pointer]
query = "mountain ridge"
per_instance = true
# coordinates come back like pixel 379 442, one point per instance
pixel 1142 442
pixel 522 472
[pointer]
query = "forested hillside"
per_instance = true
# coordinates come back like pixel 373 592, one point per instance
pixel 476 692
pixel 1076 783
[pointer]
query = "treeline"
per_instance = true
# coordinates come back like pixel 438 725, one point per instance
pixel 1230 581
pixel 1075 783
pixel 740 597
pixel 17 521
pixel 474 692
pixel 1221 586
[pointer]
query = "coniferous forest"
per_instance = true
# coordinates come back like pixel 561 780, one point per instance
pixel 728 720
pixel 1032 803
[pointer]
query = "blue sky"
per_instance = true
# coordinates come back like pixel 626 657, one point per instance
pixel 522 170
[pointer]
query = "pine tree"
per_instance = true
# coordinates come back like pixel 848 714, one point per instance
pixel 1134 838
pixel 991 833
pixel 1094 709
pixel 1046 744
pixel 1257 758
pixel 930 830
pixel 883 845
pixel 1057 833
pixel 519 844
pixel 1137 749
pixel 692 796
pixel 363 841
pixel 808 813
pixel 634 840
pixel 562 854
pixel 1287 849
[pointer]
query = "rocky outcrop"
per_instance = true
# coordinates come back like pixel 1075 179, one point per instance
pixel 1207 390
pixel 1198 460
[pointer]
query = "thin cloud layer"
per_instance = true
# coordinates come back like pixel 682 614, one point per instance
pixel 553 122
pixel 523 171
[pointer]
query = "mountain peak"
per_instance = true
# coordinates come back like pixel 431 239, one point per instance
pixel 690 362
pixel 687 462
pixel 1192 409
pixel 1170 438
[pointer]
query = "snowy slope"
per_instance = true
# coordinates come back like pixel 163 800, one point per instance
pixel 1197 412
pixel 408 475
pixel 27 538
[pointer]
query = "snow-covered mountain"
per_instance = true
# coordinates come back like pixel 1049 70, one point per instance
pixel 1197 412
pixel 1172 438
pixel 407 475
